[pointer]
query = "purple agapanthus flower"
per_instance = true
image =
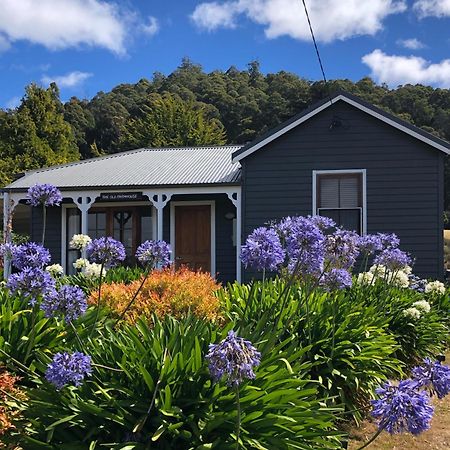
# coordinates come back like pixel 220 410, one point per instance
pixel 417 284
pixel 402 408
pixel 32 283
pixel 153 253
pixel 304 243
pixel 30 255
pixel 341 249
pixel 263 250
pixel 44 194
pixel 106 251
pixel 433 375
pixel 389 240
pixel 68 368
pixel 393 259
pixel 323 222
pixel 336 279
pixel 233 359
pixel 370 243
pixel 68 302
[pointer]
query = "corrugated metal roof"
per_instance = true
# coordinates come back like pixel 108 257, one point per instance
pixel 143 167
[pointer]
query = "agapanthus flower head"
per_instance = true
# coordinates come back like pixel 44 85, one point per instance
pixel 402 408
pixel 153 253
pixel 341 249
pixel 262 250
pixel 80 263
pixel 435 287
pixel 304 242
pixel 106 251
pixel 30 255
pixel 233 359
pixel 389 240
pixel 397 278
pixel 55 270
pixel 434 376
pixel 417 284
pixel 370 243
pixel 324 223
pixel 412 313
pixel 79 241
pixel 69 302
pixel 44 194
pixel 32 283
pixel 93 270
pixel 365 278
pixel 336 279
pixel 423 306
pixel 68 368
pixel 393 259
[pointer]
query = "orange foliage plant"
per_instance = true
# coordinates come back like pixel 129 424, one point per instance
pixel 8 391
pixel 176 293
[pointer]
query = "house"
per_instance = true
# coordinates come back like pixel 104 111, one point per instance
pixel 343 158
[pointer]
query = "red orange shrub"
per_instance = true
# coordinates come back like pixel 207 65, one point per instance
pixel 8 392
pixel 164 292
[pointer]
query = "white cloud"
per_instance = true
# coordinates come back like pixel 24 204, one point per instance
pixel 394 70
pixel 69 80
pixel 331 19
pixel 411 44
pixel 211 16
pixel 13 103
pixel 432 8
pixel 152 27
pixel 61 24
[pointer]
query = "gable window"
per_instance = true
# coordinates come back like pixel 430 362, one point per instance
pixel 340 195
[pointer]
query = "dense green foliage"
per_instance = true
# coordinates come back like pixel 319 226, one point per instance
pixel 188 107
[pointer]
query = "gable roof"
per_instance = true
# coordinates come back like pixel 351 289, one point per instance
pixel 352 100
pixel 143 167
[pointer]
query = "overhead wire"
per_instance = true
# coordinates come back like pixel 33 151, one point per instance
pixel 317 51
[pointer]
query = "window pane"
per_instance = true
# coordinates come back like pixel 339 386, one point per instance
pixel 146 228
pixel 73 226
pixel 349 219
pixel 349 192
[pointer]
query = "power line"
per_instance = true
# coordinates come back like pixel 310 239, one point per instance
pixel 317 51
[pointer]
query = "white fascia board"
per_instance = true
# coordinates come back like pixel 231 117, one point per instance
pixel 354 103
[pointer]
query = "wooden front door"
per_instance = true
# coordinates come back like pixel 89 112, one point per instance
pixel 193 237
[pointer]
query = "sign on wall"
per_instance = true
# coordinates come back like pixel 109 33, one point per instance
pixel 121 196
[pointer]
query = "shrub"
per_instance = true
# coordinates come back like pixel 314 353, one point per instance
pixel 163 397
pixel 10 396
pixel 164 292
pixel 349 366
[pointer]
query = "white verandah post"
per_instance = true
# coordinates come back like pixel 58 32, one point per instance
pixel 235 198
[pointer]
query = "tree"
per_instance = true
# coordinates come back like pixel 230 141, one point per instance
pixel 35 134
pixel 168 121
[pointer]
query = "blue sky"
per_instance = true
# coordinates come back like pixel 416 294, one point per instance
pixel 93 45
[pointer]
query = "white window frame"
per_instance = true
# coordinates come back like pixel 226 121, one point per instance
pixel 212 204
pixel 362 172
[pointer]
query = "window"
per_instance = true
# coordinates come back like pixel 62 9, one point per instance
pixel 129 224
pixel 340 196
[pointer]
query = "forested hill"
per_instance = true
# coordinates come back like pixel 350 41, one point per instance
pixel 187 107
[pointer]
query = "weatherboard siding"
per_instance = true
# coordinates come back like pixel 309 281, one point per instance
pixel 404 179
pixel 52 233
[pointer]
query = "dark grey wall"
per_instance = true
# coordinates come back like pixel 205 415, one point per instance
pixel 404 179
pixel 52 233
pixel 225 252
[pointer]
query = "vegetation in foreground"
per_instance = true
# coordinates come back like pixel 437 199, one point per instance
pixel 284 362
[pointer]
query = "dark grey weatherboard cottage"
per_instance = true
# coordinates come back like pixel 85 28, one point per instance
pixel 343 158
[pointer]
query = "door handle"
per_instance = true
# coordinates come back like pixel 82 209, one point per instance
pixel 179 258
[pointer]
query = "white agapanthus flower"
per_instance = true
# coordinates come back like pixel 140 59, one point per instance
pixel 435 287
pixel 412 313
pixel 399 278
pixel 79 241
pixel 365 278
pixel 407 270
pixel 80 263
pixel 92 270
pixel 378 270
pixel 55 270
pixel 422 305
